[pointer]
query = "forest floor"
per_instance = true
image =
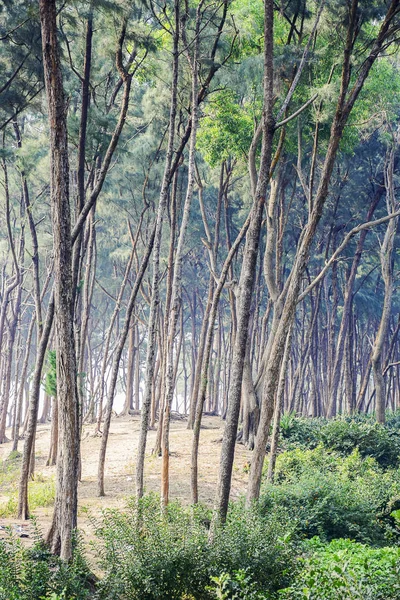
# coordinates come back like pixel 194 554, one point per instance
pixel 120 468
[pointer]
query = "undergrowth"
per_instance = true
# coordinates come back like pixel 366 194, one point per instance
pixel 146 555
pixel 41 493
pixel 36 574
pixel 346 570
pixel 344 434
pixel 328 528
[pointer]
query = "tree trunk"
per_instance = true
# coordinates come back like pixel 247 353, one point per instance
pixel 131 359
pixel 345 104
pixel 52 457
pixel 387 265
pixel 206 360
pixel 177 283
pixel 247 277
pixel 278 409
pixel 155 297
pixel 348 297
pixel 65 507
pixel 116 361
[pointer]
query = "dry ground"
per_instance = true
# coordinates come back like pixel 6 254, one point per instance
pixel 120 466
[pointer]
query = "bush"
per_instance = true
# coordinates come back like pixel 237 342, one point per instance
pixel 332 496
pixel 345 570
pixel 256 542
pixel 393 420
pixel 344 434
pixel 150 556
pixel 300 432
pixel 238 586
pixel 372 439
pixel 34 573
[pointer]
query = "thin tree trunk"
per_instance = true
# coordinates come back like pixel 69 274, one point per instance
pixel 206 360
pixel 176 284
pixel 211 286
pixel 247 277
pixel 387 265
pixel 131 359
pixel 116 362
pixel 345 104
pixel 52 457
pixel 278 409
pixel 155 296
pixel 348 296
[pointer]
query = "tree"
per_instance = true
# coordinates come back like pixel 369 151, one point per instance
pixel 248 270
pixel 60 536
pixel 348 95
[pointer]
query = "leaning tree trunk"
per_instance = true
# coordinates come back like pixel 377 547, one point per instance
pixel 163 333
pixel 206 360
pixel 247 277
pixel 212 248
pixel 117 357
pixel 348 299
pixel 278 409
pixel 16 281
pixel 345 105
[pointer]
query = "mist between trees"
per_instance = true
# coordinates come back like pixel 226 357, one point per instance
pixel 200 214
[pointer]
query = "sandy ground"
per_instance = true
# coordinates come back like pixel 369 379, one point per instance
pixel 120 466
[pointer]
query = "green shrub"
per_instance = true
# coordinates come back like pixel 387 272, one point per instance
pixel 146 555
pixel 372 439
pixel 344 434
pixel 345 570
pixel 332 496
pixel 34 573
pixel 257 542
pixel 393 420
pixel 300 432
pixel 238 586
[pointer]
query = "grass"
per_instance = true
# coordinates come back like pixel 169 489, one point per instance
pixel 41 491
pixel 8 469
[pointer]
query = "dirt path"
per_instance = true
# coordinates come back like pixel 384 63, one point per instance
pixel 120 466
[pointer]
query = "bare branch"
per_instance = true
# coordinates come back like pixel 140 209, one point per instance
pixel 335 256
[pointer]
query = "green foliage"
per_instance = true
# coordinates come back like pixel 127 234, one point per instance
pixel 239 586
pixel 258 542
pixel 343 435
pixel 333 496
pixel 372 439
pixel 300 432
pixel 35 573
pixel 50 382
pixel 345 570
pixel 149 556
pixel 227 130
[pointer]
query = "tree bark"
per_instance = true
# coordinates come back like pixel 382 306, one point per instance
pixel 65 507
pixel 345 104
pixel 387 265
pixel 155 295
pixel 247 277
